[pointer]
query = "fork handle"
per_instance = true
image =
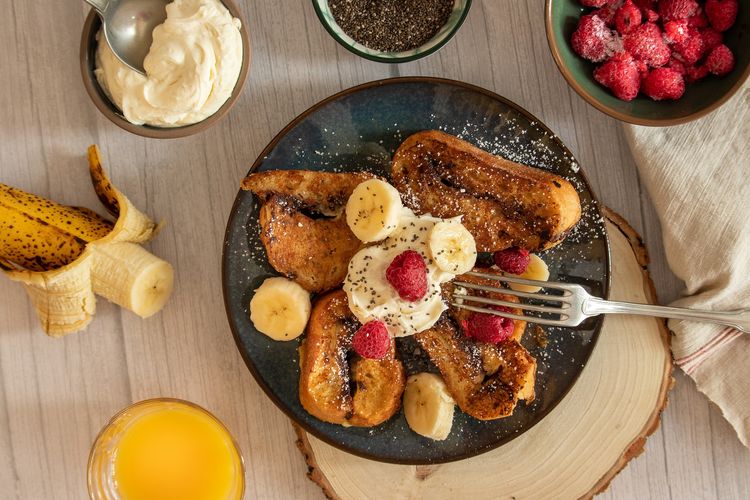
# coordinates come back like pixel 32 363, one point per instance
pixel 739 318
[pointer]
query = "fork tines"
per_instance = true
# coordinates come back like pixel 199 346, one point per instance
pixel 558 310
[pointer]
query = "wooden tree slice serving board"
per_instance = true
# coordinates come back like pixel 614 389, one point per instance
pixel 577 449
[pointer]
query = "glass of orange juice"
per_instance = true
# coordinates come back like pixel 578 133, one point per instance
pixel 165 449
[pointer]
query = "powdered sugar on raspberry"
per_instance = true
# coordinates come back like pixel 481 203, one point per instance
pixel 372 340
pixel 593 40
pixel 681 36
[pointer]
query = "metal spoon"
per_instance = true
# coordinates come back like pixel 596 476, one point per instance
pixel 128 27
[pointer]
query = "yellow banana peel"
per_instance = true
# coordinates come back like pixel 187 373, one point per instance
pixel 95 257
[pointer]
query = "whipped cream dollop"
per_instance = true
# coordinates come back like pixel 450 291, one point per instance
pixel 371 296
pixel 192 67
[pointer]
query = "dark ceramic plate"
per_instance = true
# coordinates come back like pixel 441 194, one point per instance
pixel 359 129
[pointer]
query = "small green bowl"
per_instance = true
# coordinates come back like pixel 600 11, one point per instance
pixel 561 18
pixel 460 10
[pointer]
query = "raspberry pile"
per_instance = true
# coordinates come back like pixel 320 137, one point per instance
pixel 655 46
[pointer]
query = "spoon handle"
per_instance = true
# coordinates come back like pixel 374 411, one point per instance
pixel 99 5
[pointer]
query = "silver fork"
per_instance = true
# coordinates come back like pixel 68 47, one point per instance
pixel 575 304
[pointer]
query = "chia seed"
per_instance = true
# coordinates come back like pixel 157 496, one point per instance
pixel 391 25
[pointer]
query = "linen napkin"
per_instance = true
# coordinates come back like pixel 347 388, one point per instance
pixel 698 176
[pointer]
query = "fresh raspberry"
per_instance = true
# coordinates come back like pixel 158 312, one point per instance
pixel 593 3
pixel 677 9
pixel 720 61
pixel 372 340
pixel 664 83
pixel 489 328
pixel 692 49
pixel 408 275
pixel 711 38
pixel 646 43
pixel 627 17
pixel 642 69
pixel 721 13
pixel 607 14
pixel 644 4
pixel 592 39
pixel 650 15
pixel 696 73
pixel 648 10
pixel 620 74
pixel 677 31
pixel 699 20
pixel 677 65
pixel 512 260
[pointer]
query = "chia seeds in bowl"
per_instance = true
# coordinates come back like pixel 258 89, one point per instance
pixel 391 25
pixel 392 31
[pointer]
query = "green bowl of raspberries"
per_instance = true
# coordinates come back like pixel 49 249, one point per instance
pixel 651 62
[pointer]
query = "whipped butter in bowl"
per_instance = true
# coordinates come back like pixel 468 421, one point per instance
pixel 195 69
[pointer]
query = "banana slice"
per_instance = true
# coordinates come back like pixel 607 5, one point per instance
pixel 428 407
pixel 536 270
pixel 280 309
pixel 373 210
pixel 452 247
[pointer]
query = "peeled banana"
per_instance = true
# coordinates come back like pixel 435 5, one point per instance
pixel 428 407
pixel 132 277
pixel 280 309
pixel 373 210
pixel 452 247
pixel 66 255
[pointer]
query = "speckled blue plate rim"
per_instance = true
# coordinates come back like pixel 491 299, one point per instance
pixel 606 282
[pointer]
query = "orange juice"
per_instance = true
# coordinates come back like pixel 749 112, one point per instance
pixel 165 450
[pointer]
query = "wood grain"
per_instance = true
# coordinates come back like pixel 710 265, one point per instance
pixel 56 394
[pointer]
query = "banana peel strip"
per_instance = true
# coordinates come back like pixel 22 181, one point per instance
pixel 114 266
pixel 132 225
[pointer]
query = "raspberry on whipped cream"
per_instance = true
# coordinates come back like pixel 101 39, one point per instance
pixel 408 275
pixel 372 297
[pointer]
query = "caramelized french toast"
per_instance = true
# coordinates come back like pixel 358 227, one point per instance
pixel 466 367
pixel 503 203
pixel 485 380
pixel 303 225
pixel 337 385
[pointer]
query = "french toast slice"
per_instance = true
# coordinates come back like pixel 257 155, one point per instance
pixel 313 252
pixel 483 395
pixel 485 380
pixel 303 225
pixel 504 203
pixel 324 192
pixel 338 386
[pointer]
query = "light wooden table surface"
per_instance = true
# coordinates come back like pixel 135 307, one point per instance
pixel 56 394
